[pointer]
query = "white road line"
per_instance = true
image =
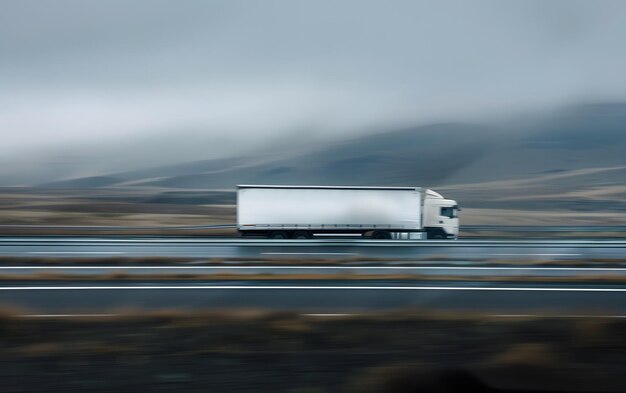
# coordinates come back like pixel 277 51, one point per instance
pixel 331 315
pixel 65 315
pixel 540 255
pixel 336 315
pixel 491 315
pixel 282 267
pixel 338 234
pixel 556 316
pixel 310 253
pixel 352 288
pixel 75 252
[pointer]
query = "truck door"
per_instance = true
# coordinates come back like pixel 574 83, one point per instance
pixel 449 220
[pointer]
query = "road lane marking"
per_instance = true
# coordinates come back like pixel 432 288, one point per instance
pixel 290 287
pixel 556 316
pixel 331 315
pixel 282 267
pixel 540 255
pixel 66 315
pixel 338 234
pixel 75 252
pixel 490 315
pixel 310 253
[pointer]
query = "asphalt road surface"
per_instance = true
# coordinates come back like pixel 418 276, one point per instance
pixel 330 296
pixel 316 297
pixel 327 248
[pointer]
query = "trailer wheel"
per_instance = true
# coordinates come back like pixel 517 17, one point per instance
pixel 278 235
pixel 301 235
pixel 381 235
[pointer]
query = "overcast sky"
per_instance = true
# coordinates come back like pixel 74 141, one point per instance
pixel 214 78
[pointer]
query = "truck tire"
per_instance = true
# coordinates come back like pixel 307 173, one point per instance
pixel 301 235
pixel 381 235
pixel 435 234
pixel 278 235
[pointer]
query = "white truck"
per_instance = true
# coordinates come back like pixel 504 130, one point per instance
pixel 304 212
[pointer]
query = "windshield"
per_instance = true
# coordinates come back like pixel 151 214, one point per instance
pixel 450 211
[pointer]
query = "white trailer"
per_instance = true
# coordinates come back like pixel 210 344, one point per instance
pixel 303 212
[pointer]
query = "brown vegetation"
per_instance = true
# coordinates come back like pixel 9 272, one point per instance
pixel 260 351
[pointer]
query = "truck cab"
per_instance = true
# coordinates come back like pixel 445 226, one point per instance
pixel 440 216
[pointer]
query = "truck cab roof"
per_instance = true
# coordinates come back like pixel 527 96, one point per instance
pixel 433 194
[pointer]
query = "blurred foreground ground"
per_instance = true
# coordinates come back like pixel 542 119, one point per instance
pixel 284 352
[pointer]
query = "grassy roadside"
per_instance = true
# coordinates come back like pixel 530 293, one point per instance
pixel 254 351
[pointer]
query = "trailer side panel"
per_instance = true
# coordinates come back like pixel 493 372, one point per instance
pixel 328 208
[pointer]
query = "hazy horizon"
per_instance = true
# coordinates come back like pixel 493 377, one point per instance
pixel 133 84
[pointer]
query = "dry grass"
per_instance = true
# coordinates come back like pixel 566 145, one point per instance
pixel 485 216
pixel 524 354
pixel 101 207
pixel 39 349
pixel 418 335
pixel 399 351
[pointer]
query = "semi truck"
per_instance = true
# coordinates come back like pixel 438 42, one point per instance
pixel 305 212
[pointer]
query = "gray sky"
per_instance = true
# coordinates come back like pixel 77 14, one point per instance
pixel 202 79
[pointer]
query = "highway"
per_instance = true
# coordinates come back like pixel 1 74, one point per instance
pixel 465 259
pixel 327 248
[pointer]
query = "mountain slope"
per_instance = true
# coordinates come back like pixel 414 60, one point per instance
pixel 411 156
pixel 586 136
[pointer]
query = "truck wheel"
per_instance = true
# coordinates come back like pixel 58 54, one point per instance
pixel 301 235
pixel 381 235
pixel 435 234
pixel 278 235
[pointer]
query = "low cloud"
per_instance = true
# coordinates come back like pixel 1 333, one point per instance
pixel 197 79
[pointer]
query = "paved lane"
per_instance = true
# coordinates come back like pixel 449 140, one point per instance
pixel 327 248
pixel 317 297
pixel 321 297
